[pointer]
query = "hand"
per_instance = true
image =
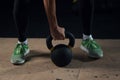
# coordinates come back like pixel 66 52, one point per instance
pixel 58 33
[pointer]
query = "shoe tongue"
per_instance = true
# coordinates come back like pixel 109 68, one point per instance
pixel 89 39
pixel 20 43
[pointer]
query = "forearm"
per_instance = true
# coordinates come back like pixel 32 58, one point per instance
pixel 50 8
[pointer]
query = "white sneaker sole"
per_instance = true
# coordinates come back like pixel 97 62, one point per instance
pixel 84 49
pixel 87 51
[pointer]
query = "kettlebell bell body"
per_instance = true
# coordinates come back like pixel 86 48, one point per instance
pixel 61 54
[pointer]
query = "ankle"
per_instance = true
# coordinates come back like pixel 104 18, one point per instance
pixel 87 37
pixel 23 42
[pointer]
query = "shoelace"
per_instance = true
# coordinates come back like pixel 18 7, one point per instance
pixel 18 49
pixel 92 44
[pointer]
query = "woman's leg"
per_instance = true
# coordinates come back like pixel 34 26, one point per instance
pixel 21 14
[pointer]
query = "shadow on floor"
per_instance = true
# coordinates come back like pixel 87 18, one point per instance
pixel 35 54
pixel 82 56
pixel 79 57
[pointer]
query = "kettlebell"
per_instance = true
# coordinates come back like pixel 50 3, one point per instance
pixel 61 54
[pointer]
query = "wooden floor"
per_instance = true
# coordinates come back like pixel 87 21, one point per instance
pixel 40 67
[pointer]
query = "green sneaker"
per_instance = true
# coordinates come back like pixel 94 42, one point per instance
pixel 19 53
pixel 92 48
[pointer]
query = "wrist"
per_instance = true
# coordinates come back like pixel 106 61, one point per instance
pixel 53 27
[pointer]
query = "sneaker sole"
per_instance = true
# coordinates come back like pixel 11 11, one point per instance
pixel 18 63
pixel 85 49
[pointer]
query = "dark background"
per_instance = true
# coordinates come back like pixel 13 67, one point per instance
pixel 106 22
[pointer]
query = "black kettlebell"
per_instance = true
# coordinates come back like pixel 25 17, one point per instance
pixel 61 54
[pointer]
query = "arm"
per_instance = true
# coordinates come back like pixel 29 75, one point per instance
pixel 56 31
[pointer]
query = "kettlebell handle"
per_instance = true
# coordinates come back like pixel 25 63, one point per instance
pixel 67 35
